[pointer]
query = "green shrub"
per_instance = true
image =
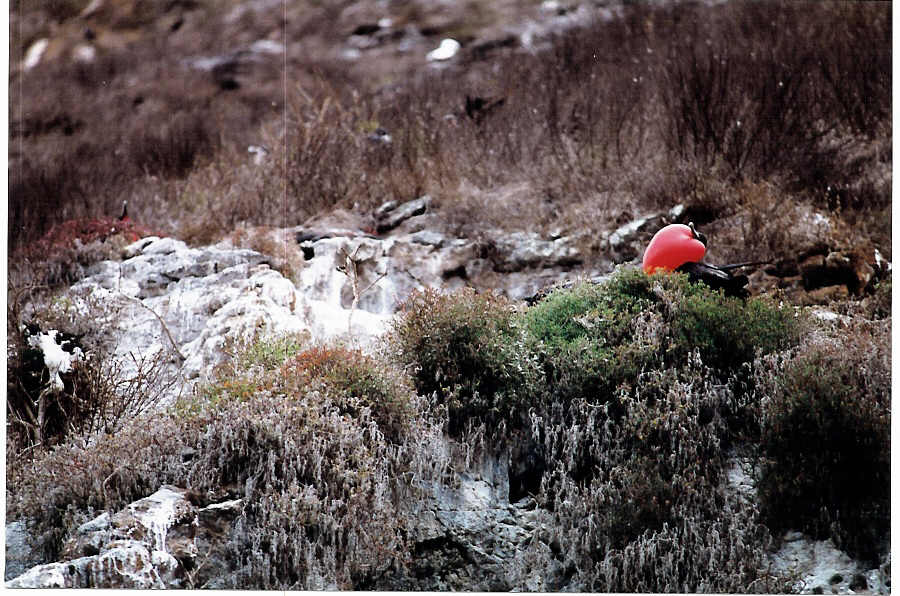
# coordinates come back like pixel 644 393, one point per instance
pixel 826 440
pixel 271 352
pixel 728 331
pixel 596 337
pixel 468 350
pixel 585 335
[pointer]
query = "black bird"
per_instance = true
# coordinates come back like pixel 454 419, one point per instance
pixel 718 277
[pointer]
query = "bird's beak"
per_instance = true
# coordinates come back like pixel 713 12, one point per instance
pixel 697 235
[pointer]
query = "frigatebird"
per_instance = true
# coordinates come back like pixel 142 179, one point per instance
pixel 679 247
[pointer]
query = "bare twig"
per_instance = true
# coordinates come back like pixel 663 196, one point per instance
pixel 348 268
pixel 175 349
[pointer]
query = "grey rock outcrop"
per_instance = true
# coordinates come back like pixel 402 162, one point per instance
pixel 628 241
pixel 19 554
pixel 470 537
pixel 161 541
pixel 178 307
pixel 821 568
pixel 390 215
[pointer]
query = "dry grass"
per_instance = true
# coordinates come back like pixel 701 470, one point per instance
pixel 615 118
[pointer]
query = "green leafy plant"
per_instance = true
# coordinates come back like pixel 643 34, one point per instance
pixel 728 331
pixel 585 335
pixel 468 350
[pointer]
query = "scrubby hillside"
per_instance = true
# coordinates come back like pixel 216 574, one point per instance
pixel 578 118
pixel 374 319
pixel 621 409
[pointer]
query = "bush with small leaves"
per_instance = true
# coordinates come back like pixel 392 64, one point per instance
pixel 596 337
pixel 468 350
pixel 586 335
pixel 640 498
pixel 305 446
pixel 727 331
pixel 358 383
pixel 826 441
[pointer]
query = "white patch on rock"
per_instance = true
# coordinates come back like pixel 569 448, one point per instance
pixel 35 53
pixel 445 51
pixel 126 564
pixel 817 564
pixel 157 513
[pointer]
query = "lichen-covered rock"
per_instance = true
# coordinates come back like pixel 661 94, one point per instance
pixel 19 554
pixel 161 541
pixel 821 568
pixel 470 537
pixel 627 242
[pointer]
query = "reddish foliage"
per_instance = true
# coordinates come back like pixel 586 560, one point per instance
pixel 63 236
pixel 324 362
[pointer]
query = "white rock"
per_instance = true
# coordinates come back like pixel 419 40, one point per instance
pixel 84 53
pixel 816 562
pixel 267 46
pixel 445 51
pixel 127 564
pixel 35 53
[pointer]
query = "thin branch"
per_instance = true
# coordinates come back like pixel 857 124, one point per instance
pixel 161 322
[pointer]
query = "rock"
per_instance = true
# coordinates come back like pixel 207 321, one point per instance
pixel 19 555
pixel 156 542
pixel 176 308
pixel 628 241
pixel 818 565
pixel 392 217
pixel 516 251
pixel 127 565
pixel 180 306
pixel 385 208
pixel 445 51
pixel 854 269
pixel 470 537
pixel 826 295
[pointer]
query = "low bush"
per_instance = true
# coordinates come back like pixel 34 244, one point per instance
pixel 360 385
pixel 468 351
pixel 596 337
pixel 728 331
pixel 304 444
pixel 826 441
pixel 586 335
pixel 640 500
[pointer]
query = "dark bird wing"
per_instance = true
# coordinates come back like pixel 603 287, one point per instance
pixel 717 278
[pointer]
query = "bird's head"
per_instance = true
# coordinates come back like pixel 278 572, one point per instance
pixel 673 246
